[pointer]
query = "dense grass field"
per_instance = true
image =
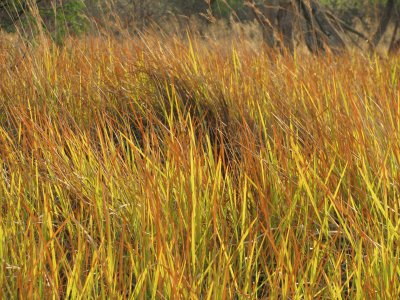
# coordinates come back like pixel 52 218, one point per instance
pixel 185 169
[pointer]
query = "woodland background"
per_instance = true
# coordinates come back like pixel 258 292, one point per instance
pixel 320 24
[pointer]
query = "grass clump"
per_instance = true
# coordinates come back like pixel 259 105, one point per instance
pixel 190 169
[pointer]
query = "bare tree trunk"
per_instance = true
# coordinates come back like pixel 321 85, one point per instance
pixel 383 24
pixel 280 18
pixel 286 19
pixel 276 18
pixel 265 14
pixel 320 32
pixel 312 36
pixel 395 44
pixel 335 40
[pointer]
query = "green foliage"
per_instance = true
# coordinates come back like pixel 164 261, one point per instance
pixel 10 11
pixel 58 18
pixel 224 8
pixel 66 19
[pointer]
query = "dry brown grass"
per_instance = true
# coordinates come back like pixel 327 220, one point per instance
pixel 182 169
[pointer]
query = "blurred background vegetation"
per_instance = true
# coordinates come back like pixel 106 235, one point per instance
pixel 61 18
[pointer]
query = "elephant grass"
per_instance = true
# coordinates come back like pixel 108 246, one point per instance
pixel 184 169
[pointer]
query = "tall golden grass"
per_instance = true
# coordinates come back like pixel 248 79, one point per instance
pixel 184 169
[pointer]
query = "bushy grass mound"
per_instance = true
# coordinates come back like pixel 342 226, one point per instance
pixel 178 169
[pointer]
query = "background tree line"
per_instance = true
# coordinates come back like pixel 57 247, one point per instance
pixel 325 23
